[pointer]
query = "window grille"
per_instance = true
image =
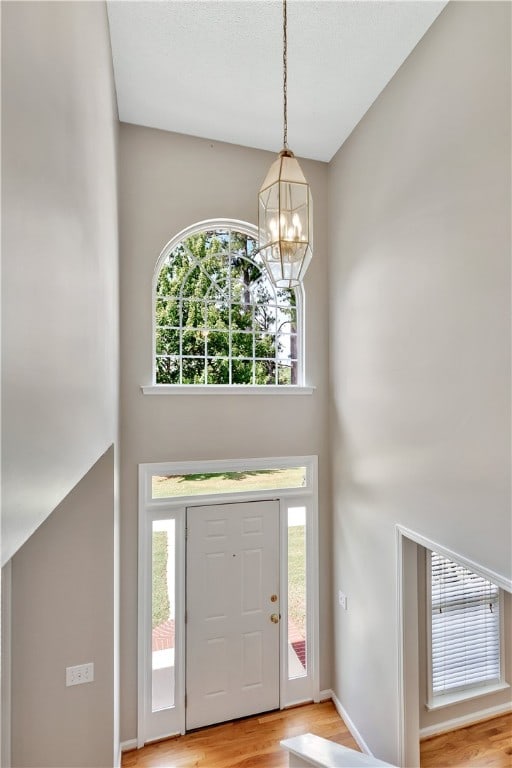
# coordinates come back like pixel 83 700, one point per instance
pixel 219 319
pixel 465 628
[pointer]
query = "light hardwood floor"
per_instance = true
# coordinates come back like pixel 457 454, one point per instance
pixel 485 744
pixel 252 742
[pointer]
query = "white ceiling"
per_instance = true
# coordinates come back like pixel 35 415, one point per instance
pixel 213 68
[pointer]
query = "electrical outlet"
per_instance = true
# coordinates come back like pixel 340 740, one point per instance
pixel 342 599
pixel 83 673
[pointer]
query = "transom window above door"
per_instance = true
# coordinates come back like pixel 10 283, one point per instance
pixel 218 318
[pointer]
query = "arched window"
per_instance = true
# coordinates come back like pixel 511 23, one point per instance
pixel 218 318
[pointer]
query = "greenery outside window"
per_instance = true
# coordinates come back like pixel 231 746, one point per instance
pixel 218 318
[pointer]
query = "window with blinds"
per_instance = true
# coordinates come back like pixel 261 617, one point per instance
pixel 465 628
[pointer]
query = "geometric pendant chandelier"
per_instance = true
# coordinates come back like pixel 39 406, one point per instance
pixel 285 207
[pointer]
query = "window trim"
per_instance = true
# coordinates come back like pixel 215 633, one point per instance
pixel 441 700
pixel 466 695
pixel 226 465
pixel 227 389
pixel 251 231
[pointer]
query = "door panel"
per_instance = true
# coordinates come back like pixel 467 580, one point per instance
pixel 232 667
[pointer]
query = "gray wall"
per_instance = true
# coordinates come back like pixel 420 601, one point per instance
pixel 168 182
pixel 59 256
pixel 419 212
pixel 62 615
pixel 60 378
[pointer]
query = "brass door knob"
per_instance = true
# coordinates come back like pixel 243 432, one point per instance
pixel 274 618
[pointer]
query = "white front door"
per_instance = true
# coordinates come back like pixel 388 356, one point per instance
pixel 232 663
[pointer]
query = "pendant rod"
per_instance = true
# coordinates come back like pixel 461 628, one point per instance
pixel 285 78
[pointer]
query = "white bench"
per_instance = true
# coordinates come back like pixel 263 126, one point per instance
pixel 310 750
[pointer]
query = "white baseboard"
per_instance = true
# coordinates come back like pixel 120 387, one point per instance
pixel 127 745
pixel 361 743
pixel 462 722
pixel 325 695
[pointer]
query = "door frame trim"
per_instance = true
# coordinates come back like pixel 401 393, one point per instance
pixel 152 509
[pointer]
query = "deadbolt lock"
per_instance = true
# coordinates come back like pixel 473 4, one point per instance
pixel 274 618
pixel 273 598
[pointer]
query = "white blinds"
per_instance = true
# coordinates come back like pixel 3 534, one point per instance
pixel 465 627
